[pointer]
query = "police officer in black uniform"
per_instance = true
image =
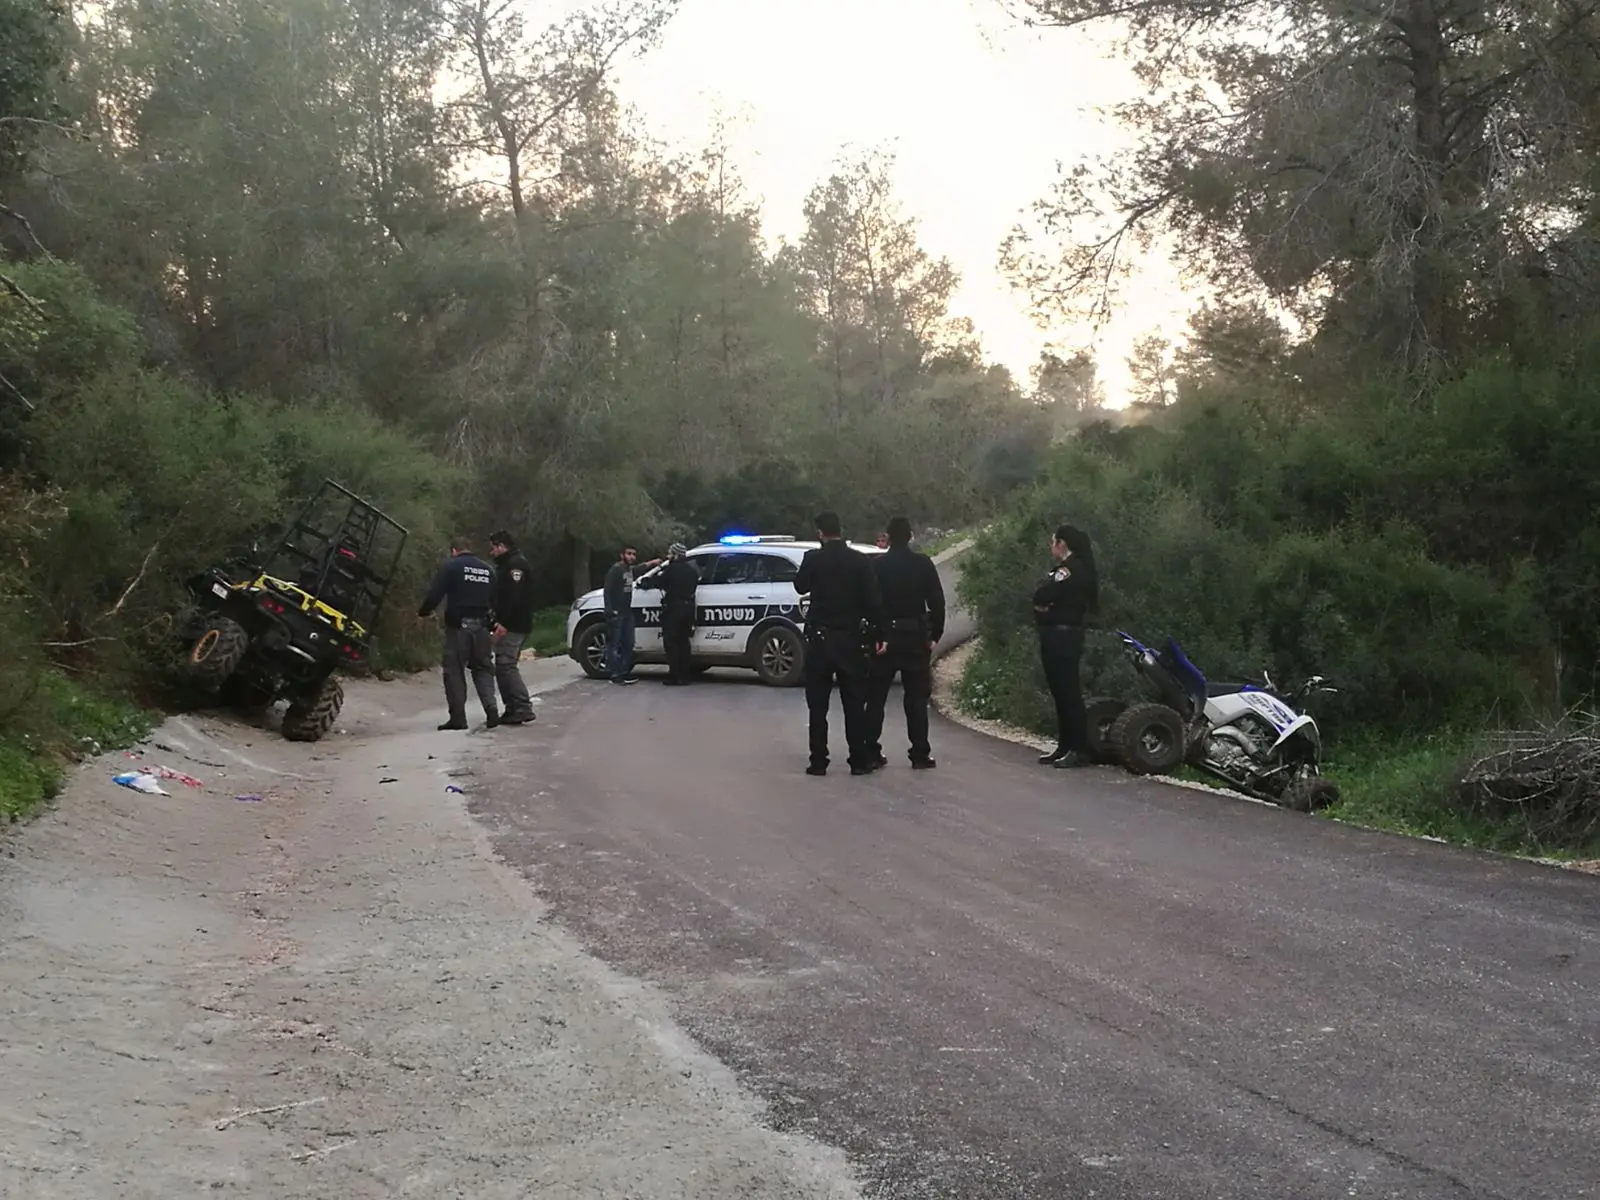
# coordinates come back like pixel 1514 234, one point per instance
pixel 513 615
pixel 913 610
pixel 680 583
pixel 465 585
pixel 1061 606
pixel 843 626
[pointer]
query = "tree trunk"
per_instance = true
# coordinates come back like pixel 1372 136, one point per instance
pixel 1426 42
pixel 581 579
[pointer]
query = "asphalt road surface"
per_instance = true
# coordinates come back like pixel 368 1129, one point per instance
pixel 997 980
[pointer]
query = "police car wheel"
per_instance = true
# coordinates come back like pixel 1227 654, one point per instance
pixel 780 657
pixel 592 649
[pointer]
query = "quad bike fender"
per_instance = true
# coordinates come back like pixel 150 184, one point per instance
pixel 1302 727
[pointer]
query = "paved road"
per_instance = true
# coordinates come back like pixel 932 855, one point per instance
pixel 994 980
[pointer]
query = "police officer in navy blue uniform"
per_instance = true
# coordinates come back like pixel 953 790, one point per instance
pixel 1062 604
pixel 913 610
pixel 513 615
pixel 680 582
pixel 465 586
pixel 843 624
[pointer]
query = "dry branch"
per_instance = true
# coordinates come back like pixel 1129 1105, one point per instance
pixel 1550 778
pixel 137 579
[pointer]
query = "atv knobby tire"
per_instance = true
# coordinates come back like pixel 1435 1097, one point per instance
pixel 1149 739
pixel 312 718
pixel 217 651
pixel 1102 712
pixel 1309 795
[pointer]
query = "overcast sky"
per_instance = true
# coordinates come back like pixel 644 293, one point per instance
pixel 977 111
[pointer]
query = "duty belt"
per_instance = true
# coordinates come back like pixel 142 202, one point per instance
pixel 473 622
pixel 908 624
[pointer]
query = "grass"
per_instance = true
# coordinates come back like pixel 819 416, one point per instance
pixel 62 722
pixel 549 636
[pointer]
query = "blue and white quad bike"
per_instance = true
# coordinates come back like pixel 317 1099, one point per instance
pixel 1248 735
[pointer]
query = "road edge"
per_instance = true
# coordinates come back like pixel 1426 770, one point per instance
pixel 947 670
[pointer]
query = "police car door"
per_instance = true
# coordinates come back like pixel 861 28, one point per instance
pixel 647 614
pixel 729 603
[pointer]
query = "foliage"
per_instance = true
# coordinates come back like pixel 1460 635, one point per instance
pixel 1355 161
pixel 420 247
pixel 61 721
pixel 1406 555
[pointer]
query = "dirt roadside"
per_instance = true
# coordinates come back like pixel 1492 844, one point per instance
pixel 336 992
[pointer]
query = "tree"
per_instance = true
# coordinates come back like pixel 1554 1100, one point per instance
pixel 1409 155
pixel 526 85
pixel 1068 389
pixel 882 302
pixel 32 48
pixel 1151 367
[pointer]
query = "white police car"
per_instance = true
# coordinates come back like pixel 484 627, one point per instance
pixel 747 613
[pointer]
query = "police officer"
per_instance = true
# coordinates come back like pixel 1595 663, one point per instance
pixel 465 585
pixel 513 614
pixel 913 610
pixel 680 581
pixel 842 624
pixel 1061 606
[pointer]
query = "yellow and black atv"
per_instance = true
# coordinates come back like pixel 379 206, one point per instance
pixel 280 629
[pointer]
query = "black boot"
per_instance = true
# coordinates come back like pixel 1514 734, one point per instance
pixel 1054 756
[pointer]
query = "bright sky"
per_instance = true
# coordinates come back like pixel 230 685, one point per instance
pixel 977 111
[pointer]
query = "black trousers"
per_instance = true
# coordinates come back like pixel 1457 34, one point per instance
pixel 1061 652
pixel 837 656
pixel 907 654
pixel 677 630
pixel 469 648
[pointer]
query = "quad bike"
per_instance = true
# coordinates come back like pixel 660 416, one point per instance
pixel 279 629
pixel 1250 736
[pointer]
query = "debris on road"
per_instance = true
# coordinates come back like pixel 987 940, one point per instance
pixel 141 782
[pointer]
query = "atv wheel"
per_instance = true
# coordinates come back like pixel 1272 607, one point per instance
pixel 214 655
pixel 591 648
pixel 1149 739
pixel 1103 713
pixel 1309 795
pixel 311 718
pixel 780 657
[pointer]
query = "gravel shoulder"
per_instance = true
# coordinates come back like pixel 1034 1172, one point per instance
pixel 337 991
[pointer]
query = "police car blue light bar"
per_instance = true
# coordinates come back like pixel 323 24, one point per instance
pixel 738 539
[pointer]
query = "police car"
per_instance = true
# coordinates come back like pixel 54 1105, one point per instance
pixel 747 613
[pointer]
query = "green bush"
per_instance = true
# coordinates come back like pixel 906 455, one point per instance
pixel 1299 545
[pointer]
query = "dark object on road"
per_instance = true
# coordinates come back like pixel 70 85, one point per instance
pixel 913 610
pixel 843 623
pixel 1061 606
pixel 1246 734
pixel 280 629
